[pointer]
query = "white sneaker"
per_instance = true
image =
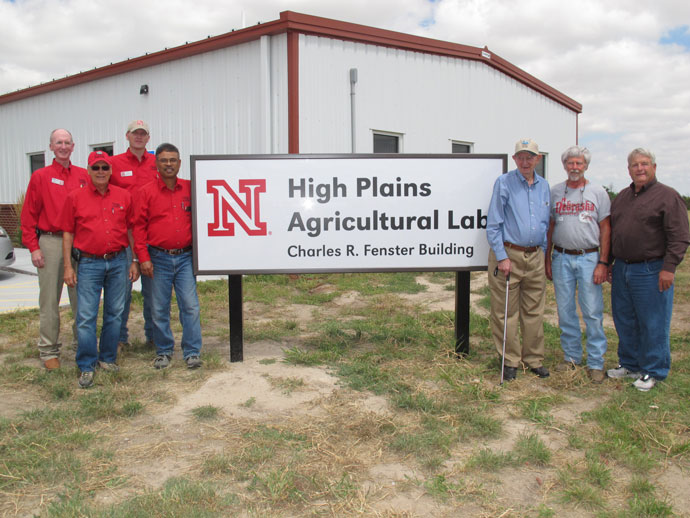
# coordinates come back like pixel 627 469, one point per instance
pixel 645 383
pixel 621 372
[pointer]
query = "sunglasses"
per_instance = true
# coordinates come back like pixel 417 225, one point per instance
pixel 100 167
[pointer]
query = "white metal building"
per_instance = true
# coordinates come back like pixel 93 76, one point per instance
pixel 287 87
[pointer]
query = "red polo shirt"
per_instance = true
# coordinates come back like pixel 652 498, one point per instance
pixel 163 217
pixel 129 173
pixel 98 221
pixel 45 197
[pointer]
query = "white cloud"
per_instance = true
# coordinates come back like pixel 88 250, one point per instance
pixel 606 55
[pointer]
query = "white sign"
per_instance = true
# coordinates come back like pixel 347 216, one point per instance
pixel 341 213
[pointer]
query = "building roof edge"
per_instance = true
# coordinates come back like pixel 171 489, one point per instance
pixel 291 21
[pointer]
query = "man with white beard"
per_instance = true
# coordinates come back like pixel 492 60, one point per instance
pixel 579 233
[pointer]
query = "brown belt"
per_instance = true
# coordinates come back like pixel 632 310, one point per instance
pixel 528 249
pixel 173 251
pixel 581 251
pixel 109 255
pixel 46 233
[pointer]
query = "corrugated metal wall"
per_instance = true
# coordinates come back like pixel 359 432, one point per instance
pixel 431 100
pixel 228 101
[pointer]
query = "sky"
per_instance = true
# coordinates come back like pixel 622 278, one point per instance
pixel 626 61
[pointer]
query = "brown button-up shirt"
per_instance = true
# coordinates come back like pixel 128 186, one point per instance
pixel 650 224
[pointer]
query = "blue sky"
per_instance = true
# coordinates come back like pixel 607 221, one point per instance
pixel 677 36
pixel 626 61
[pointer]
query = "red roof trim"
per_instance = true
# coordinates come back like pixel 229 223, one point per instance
pixel 302 23
pixel 293 91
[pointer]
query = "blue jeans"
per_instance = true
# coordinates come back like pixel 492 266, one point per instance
pixel 169 271
pixel 94 276
pixel 146 292
pixel 642 315
pixel 571 272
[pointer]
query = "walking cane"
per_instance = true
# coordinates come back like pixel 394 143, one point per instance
pixel 505 323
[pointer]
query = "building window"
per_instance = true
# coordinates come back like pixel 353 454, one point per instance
pixel 36 161
pixel 108 148
pixel 541 166
pixel 387 142
pixel 461 147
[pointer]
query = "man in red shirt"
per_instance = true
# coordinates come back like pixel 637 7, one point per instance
pixel 97 221
pixel 163 243
pixel 132 170
pixel 45 196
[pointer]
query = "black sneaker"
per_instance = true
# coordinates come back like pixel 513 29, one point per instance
pixel 509 373
pixel 542 371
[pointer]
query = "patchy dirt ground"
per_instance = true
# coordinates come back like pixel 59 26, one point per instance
pixel 167 441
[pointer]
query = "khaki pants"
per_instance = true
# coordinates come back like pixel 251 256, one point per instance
pixel 525 305
pixel 50 283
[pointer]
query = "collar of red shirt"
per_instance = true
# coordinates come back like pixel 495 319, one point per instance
pixel 132 156
pixel 57 165
pixel 94 189
pixel 161 184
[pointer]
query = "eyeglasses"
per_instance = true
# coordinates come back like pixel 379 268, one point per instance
pixel 100 167
pixel 526 157
pixel 171 161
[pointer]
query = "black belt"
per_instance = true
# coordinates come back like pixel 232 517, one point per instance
pixel 109 255
pixel 643 260
pixel 173 251
pixel 46 233
pixel 581 251
pixel 528 249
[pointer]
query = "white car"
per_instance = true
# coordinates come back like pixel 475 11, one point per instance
pixel 6 249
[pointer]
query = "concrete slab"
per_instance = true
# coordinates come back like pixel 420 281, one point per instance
pixel 19 284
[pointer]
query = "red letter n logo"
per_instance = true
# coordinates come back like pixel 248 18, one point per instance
pixel 229 208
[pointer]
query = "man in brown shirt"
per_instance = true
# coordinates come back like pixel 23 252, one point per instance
pixel 649 237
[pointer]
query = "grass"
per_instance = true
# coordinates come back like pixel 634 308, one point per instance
pixel 530 449
pixel 453 436
pixel 286 385
pixel 537 409
pixel 179 498
pixel 205 412
pixel 489 460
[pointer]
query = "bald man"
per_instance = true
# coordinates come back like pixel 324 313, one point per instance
pixel 45 197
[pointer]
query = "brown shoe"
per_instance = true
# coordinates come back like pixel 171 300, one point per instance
pixel 565 366
pixel 596 375
pixel 51 364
